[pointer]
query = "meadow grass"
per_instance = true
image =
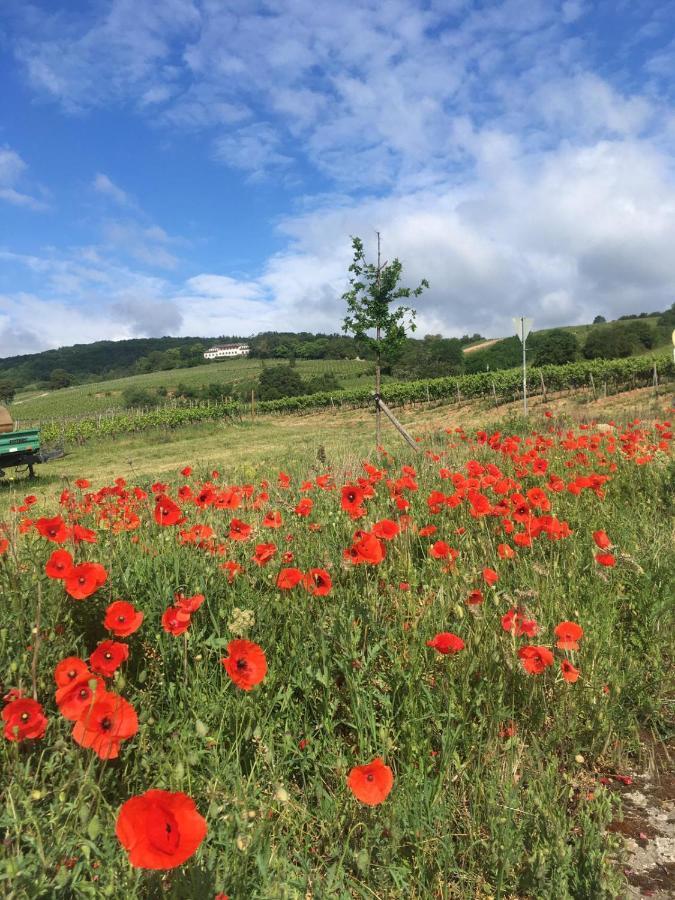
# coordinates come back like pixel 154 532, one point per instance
pixel 497 789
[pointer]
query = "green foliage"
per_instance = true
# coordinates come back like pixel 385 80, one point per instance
pixel 59 378
pixel 556 348
pixel 280 381
pixel 369 301
pixel 7 390
pixel 137 396
pixel 618 340
pixel 599 320
pixel 431 358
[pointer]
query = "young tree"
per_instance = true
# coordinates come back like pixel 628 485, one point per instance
pixel 372 304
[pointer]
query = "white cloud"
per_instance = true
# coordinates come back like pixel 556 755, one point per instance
pixel 103 185
pixel 12 170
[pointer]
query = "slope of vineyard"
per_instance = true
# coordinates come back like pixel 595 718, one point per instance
pixel 601 375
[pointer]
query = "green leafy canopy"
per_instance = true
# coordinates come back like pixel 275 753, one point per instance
pixel 369 300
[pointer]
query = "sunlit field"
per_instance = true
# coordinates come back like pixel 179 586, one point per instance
pixel 301 671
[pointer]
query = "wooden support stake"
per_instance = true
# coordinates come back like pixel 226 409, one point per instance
pixel 656 381
pixel 590 375
pixel 459 396
pixel 543 386
pixel 395 422
pixel 494 394
pixel 253 404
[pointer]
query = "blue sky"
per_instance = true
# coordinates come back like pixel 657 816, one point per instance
pixel 198 166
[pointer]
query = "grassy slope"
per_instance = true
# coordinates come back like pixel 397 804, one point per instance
pixel 257 443
pixel 105 395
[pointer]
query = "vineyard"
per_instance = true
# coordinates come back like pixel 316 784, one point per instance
pixel 106 396
pixel 598 376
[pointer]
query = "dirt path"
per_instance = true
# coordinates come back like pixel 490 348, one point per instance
pixel 482 346
pixel 648 827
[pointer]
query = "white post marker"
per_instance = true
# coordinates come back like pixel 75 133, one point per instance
pixel 673 337
pixel 523 327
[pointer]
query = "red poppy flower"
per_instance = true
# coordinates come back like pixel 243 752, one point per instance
pixel 366 549
pixel 475 597
pixel 160 829
pixel 446 642
pixel 514 620
pixel 239 531
pixel 4 545
pixel 232 568
pixel 272 520
pixel 505 551
pixel 535 659
pixel 59 564
pixel 371 783
pixel 602 540
pixel 122 618
pixel 82 483
pixel 84 580
pixel 605 559
pixel 427 530
pixel 167 512
pixel 385 529
pixel 263 553
pixel 318 582
pixel 54 529
pixel 304 507
pixel 108 657
pixel 352 500
pixel 246 664
pixel 77 696
pixel 175 620
pixel 83 535
pixel 105 724
pixel 568 634
pixel 189 604
pixel 70 669
pixel 569 673
pixel 186 472
pixel 24 720
pixel 287 579
pixel 490 576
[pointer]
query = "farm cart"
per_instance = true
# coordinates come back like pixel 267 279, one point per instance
pixel 21 448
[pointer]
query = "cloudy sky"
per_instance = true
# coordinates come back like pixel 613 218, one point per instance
pixel 197 167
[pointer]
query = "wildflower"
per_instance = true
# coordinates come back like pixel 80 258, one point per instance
pixel 601 539
pixel 85 579
pixel 189 604
pixel 175 620
pixel 446 642
pixel 318 582
pixel 605 559
pixel 371 783
pixel 246 663
pixel 569 673
pixel 54 529
pixel 105 724
pixel 568 634
pixel 78 695
pixel 288 578
pixel 69 670
pixel 385 529
pixel 160 829
pixel 535 659
pixel 263 553
pixel 108 657
pixel 59 564
pixel 304 507
pixel 490 576
pixel 24 720
pixel 167 512
pixel 122 618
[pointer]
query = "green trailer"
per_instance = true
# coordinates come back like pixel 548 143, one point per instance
pixel 22 448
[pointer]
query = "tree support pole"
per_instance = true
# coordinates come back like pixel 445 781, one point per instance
pixel 381 405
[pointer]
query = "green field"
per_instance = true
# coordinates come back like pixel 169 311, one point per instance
pixel 99 397
pixel 502 775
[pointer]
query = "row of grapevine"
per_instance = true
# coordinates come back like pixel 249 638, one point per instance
pixel 502 385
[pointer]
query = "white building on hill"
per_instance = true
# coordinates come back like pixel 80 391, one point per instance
pixel 227 351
